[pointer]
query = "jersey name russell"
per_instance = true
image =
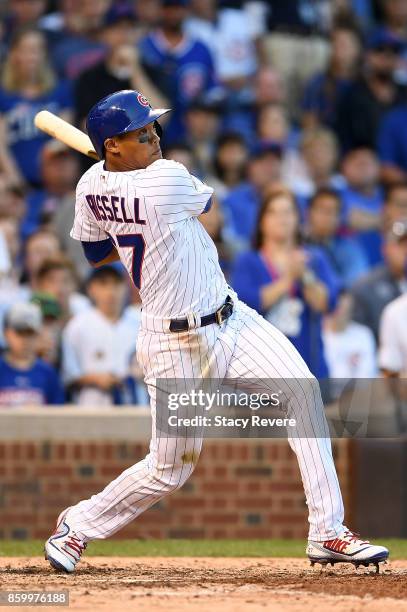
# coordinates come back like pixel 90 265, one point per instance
pixel 114 208
pixel 150 216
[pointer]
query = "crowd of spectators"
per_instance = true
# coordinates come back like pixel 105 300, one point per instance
pixel 295 112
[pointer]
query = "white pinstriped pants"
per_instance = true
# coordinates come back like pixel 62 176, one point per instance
pixel 245 346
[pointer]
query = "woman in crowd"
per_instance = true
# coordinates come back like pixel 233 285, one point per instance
pixel 290 285
pixel 27 85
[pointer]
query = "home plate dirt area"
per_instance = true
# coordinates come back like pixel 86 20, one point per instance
pixel 211 584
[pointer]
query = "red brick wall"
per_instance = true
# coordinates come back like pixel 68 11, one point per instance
pixel 240 488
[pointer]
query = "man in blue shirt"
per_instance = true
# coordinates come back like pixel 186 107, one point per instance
pixel 181 67
pixel 343 252
pixel 25 379
pixel 242 205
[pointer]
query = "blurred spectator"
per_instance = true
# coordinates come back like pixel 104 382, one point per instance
pixel 274 127
pixel 296 45
pixel 213 222
pixel 73 33
pixel 273 124
pixel 49 340
pixel 371 96
pixel 181 67
pixel 350 348
pixel 65 18
pixel 25 379
pixel 394 23
pixel 385 282
pixel 98 344
pixel 269 88
pixel 182 153
pixel 27 86
pixel 59 174
pixel 231 36
pixel 202 120
pixel 243 202
pixel 395 204
pixel 41 245
pixel 10 233
pixel 12 200
pixel 22 13
pixel 343 252
pixel 10 267
pixel 230 162
pixel 148 14
pixel 392 145
pixel 120 68
pixel 325 90
pixel 56 277
pixel 393 338
pixel 290 285
pixel 319 149
pixel 362 196
pixel 394 209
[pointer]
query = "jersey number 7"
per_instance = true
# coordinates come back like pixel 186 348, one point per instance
pixel 137 243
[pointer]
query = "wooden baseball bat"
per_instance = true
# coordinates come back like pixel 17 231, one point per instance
pixel 65 132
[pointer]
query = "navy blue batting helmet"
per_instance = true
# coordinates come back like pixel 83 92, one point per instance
pixel 119 113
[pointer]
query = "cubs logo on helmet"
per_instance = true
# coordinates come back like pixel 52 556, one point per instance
pixel 143 100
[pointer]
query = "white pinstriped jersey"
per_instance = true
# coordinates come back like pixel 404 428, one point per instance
pixel 151 217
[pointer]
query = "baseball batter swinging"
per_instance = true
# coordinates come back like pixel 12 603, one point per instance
pixel 142 209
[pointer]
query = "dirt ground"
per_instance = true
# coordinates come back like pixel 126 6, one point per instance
pixel 211 585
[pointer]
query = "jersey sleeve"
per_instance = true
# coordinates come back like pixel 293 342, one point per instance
pixel 174 192
pixel 85 227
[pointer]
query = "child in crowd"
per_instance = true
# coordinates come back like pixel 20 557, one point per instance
pixel 25 379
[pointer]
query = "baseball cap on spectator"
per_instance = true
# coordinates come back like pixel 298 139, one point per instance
pixel 383 40
pixel 24 317
pixel 117 13
pixel 49 306
pixel 262 148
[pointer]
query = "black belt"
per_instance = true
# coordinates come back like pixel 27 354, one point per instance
pixel 223 313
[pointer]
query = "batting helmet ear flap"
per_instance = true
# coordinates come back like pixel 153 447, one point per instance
pixel 158 129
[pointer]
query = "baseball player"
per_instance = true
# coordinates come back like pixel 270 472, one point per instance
pixel 142 209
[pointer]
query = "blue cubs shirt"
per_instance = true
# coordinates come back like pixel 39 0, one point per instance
pixel 35 386
pixel 23 138
pixel 251 274
pixel 181 73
